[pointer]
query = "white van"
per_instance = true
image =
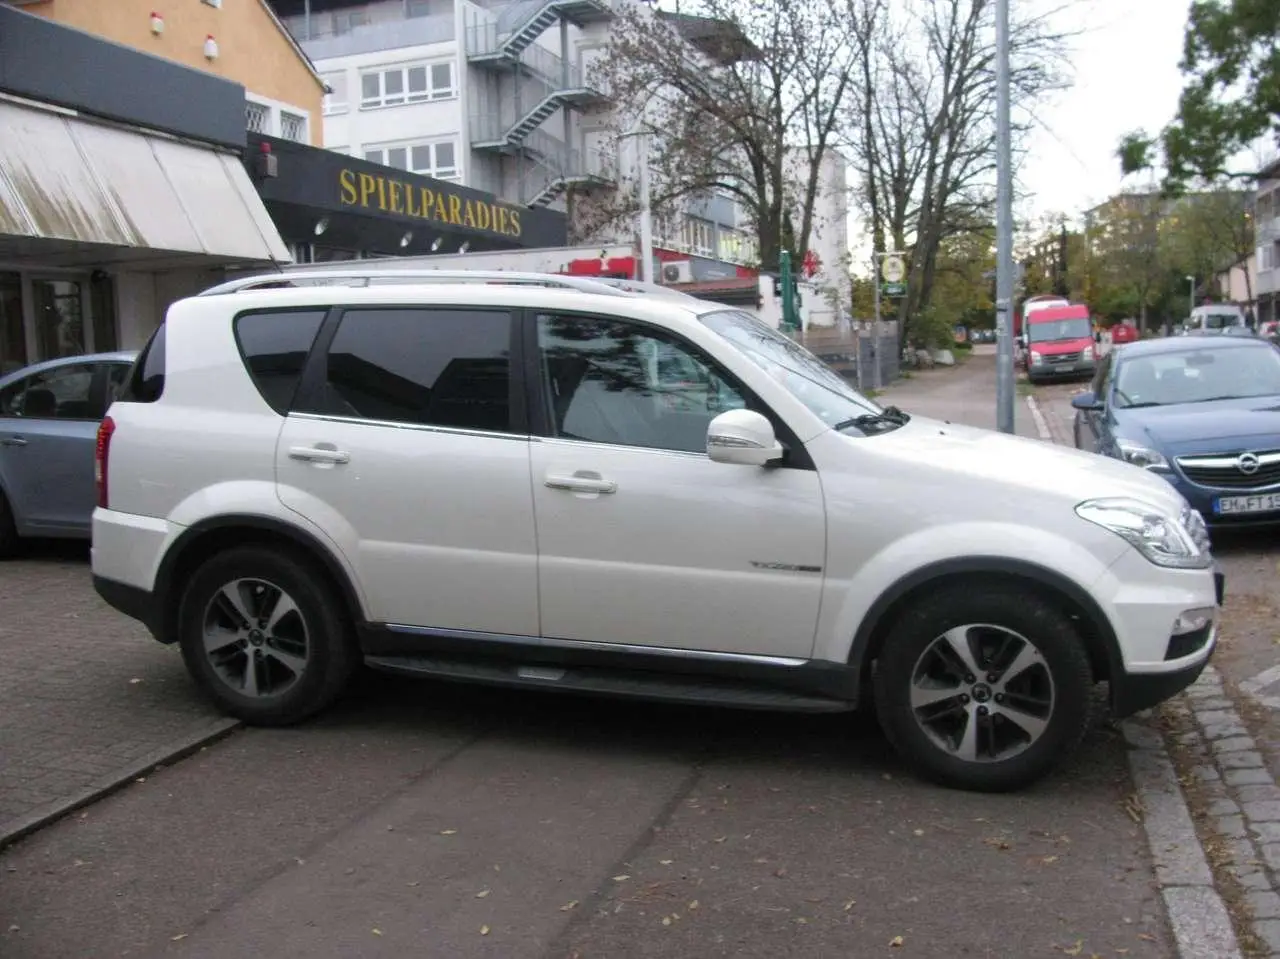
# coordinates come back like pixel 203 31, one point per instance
pixel 1215 318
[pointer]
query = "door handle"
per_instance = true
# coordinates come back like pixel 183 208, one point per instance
pixel 315 454
pixel 582 482
pixel 13 441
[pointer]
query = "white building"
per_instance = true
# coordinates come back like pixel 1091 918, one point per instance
pixel 499 97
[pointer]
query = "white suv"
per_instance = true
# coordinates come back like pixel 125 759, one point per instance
pixel 601 491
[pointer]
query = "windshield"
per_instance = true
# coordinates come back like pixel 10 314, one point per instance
pixel 1049 331
pixel 827 395
pixel 1220 321
pixel 1197 376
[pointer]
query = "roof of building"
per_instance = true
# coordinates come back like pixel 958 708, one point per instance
pixel 297 47
pixel 722 40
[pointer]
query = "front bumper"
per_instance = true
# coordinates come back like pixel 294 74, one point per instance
pixel 1201 500
pixel 1062 371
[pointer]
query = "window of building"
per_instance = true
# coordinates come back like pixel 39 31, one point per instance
pixel 412 83
pixel 439 159
pixel 275 347
pixel 59 310
pixel 335 102
pixel 257 117
pixel 293 127
pixel 426 366
pixel 698 236
pixel 13 336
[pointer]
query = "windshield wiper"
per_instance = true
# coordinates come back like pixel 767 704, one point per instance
pixel 887 419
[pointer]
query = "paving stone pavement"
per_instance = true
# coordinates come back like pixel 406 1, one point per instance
pixel 1244 800
pixel 89 697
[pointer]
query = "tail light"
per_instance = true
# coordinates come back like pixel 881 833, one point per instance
pixel 101 451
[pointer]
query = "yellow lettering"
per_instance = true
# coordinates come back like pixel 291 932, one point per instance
pixel 408 201
pixel 483 216
pixel 382 193
pixel 428 198
pixel 367 187
pixel 500 223
pixel 442 210
pixel 469 214
pixel 515 223
pixel 395 194
pixel 455 210
pixel 347 187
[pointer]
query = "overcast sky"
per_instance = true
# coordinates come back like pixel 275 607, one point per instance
pixel 1125 65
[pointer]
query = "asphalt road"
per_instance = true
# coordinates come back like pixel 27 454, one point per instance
pixel 424 819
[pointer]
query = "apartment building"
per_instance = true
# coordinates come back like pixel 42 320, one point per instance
pixel 242 41
pixel 1267 230
pixel 501 97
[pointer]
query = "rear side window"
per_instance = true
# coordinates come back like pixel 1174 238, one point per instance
pixel 424 366
pixel 146 381
pixel 275 346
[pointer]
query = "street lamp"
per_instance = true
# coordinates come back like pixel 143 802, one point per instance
pixel 1191 297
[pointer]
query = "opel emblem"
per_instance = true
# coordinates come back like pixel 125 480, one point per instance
pixel 1247 464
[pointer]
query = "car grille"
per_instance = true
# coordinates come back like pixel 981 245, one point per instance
pixel 1065 358
pixel 1246 470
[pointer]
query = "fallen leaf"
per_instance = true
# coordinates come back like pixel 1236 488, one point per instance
pixel 693 905
pixel 780 873
pixel 377 932
pixel 918 832
pixel 448 832
pixel 484 930
pixel 414 883
pixel 997 843
pixel 1049 860
pixel 666 920
pixel 666 862
pixel 721 839
pixel 623 878
pixel 568 905
pixel 482 893
pixel 179 937
pixel 1074 950
pixel 802 920
pixel 850 904
pixel 896 942
pixel 134 681
pixel 1146 937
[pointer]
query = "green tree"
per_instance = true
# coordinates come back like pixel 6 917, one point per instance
pixel 1209 232
pixel 1231 59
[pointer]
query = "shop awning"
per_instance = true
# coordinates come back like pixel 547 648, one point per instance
pixel 74 192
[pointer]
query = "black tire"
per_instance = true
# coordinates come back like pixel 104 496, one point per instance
pixel 331 652
pixel 1062 654
pixel 8 530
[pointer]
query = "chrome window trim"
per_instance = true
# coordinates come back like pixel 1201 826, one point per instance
pixel 416 427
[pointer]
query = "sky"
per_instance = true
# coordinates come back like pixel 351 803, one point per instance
pixel 1125 67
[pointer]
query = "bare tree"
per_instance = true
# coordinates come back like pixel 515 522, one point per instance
pixel 922 125
pixel 743 99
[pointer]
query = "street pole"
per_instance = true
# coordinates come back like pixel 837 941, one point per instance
pixel 875 326
pixel 646 213
pixel 1191 298
pixel 1004 227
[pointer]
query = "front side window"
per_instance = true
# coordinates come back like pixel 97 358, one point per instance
pixel 611 381
pixel 1050 331
pixel 63 393
pixel 424 366
pixel 824 392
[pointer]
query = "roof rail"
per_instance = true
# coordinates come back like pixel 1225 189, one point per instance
pixel 354 277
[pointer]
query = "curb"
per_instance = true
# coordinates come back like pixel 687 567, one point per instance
pixel 15 829
pixel 1042 425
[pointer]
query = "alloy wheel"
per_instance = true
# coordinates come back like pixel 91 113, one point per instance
pixel 255 638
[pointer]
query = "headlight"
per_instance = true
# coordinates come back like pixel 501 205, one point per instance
pixel 1142 456
pixel 1163 539
pixel 1036 357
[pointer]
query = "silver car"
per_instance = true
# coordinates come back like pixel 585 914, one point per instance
pixel 49 416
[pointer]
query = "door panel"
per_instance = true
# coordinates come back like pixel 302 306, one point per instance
pixel 642 539
pixel 408 447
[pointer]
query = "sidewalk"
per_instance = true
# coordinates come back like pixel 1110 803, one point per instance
pixel 962 394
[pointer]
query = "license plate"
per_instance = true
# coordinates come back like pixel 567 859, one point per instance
pixel 1232 505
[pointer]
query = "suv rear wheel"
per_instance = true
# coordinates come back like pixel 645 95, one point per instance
pixel 264 636
pixel 984 689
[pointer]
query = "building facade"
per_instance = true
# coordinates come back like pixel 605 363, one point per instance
pixel 112 205
pixel 240 40
pixel 1267 231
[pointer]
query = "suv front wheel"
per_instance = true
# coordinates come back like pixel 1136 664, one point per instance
pixel 264 637
pixel 984 689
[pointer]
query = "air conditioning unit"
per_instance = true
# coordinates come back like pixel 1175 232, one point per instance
pixel 679 271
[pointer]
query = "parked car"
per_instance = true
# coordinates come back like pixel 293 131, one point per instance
pixel 357 488
pixel 49 416
pixel 1060 343
pixel 1123 333
pixel 1216 318
pixel 1202 412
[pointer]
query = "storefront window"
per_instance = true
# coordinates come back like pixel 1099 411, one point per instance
pixel 59 310
pixel 102 310
pixel 13 340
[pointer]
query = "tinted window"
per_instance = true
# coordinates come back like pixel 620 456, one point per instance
pixel 60 394
pixel 608 381
pixel 1198 376
pixel 146 382
pixel 435 367
pixel 275 348
pixel 117 378
pixel 11 398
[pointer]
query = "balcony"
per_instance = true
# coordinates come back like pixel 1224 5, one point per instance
pixel 324 37
pixel 485 48
pixel 515 123
pixel 520 24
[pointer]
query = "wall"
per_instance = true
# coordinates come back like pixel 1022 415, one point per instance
pixel 1240 283
pixel 142 299
pixel 252 50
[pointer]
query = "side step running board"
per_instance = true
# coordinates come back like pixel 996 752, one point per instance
pixel 617 683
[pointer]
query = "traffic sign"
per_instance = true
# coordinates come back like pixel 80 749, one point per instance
pixel 894 270
pixel 895 289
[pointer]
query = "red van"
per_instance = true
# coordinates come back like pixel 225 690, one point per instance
pixel 1060 343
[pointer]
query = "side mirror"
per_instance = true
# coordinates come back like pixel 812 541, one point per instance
pixel 743 437
pixel 1087 401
